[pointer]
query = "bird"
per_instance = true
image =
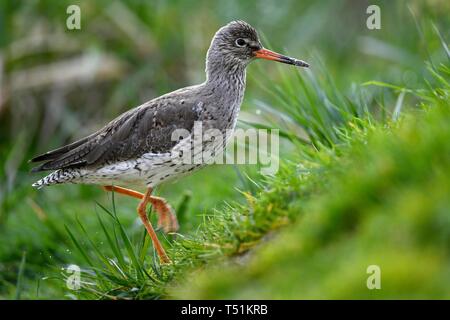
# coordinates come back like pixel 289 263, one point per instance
pixel 137 149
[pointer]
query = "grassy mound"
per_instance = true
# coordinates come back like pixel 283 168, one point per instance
pixel 385 203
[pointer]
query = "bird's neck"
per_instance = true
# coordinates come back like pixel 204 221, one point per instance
pixel 228 78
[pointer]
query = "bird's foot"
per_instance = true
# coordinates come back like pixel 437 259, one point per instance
pixel 167 220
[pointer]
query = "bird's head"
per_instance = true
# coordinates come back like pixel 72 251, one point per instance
pixel 238 43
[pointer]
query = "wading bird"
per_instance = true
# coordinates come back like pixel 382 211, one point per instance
pixel 137 148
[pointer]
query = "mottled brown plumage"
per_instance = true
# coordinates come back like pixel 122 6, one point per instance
pixel 144 129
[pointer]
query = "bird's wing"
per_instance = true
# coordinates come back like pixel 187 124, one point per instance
pixel 147 128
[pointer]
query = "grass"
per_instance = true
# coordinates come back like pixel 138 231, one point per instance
pixel 385 203
pixel 311 230
pixel 38 228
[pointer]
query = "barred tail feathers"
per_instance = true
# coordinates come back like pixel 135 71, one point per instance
pixel 56 177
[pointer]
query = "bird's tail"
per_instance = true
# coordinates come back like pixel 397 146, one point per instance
pixel 56 177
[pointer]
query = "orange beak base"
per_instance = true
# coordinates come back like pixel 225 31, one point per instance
pixel 270 55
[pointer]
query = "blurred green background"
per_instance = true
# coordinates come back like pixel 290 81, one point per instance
pixel 58 85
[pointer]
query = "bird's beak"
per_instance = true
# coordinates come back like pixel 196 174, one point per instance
pixel 270 55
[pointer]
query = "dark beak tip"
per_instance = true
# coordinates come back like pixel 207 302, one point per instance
pixel 300 63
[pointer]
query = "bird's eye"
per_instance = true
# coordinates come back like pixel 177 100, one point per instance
pixel 241 42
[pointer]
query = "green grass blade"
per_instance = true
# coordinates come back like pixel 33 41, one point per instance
pixel 79 247
pixel 20 276
pixel 112 244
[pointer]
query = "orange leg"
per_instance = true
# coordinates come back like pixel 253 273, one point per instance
pixel 143 214
pixel 167 220
pixel 128 192
pixel 145 199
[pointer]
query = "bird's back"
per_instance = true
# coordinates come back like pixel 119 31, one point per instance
pixel 145 129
